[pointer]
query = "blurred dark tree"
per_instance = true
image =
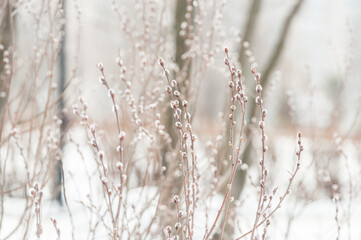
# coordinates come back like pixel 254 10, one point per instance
pixel 58 177
pixel 182 76
pixel 6 36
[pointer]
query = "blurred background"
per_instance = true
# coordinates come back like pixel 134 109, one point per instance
pixel 307 51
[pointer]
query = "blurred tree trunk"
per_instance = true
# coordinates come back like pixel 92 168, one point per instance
pixel 184 66
pixel 182 76
pixel 5 42
pixel 250 28
pixel 58 178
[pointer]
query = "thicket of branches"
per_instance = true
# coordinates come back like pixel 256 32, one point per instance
pixel 154 167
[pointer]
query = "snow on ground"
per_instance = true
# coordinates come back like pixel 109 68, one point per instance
pixel 314 220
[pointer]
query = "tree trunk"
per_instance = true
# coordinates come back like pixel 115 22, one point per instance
pixel 58 177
